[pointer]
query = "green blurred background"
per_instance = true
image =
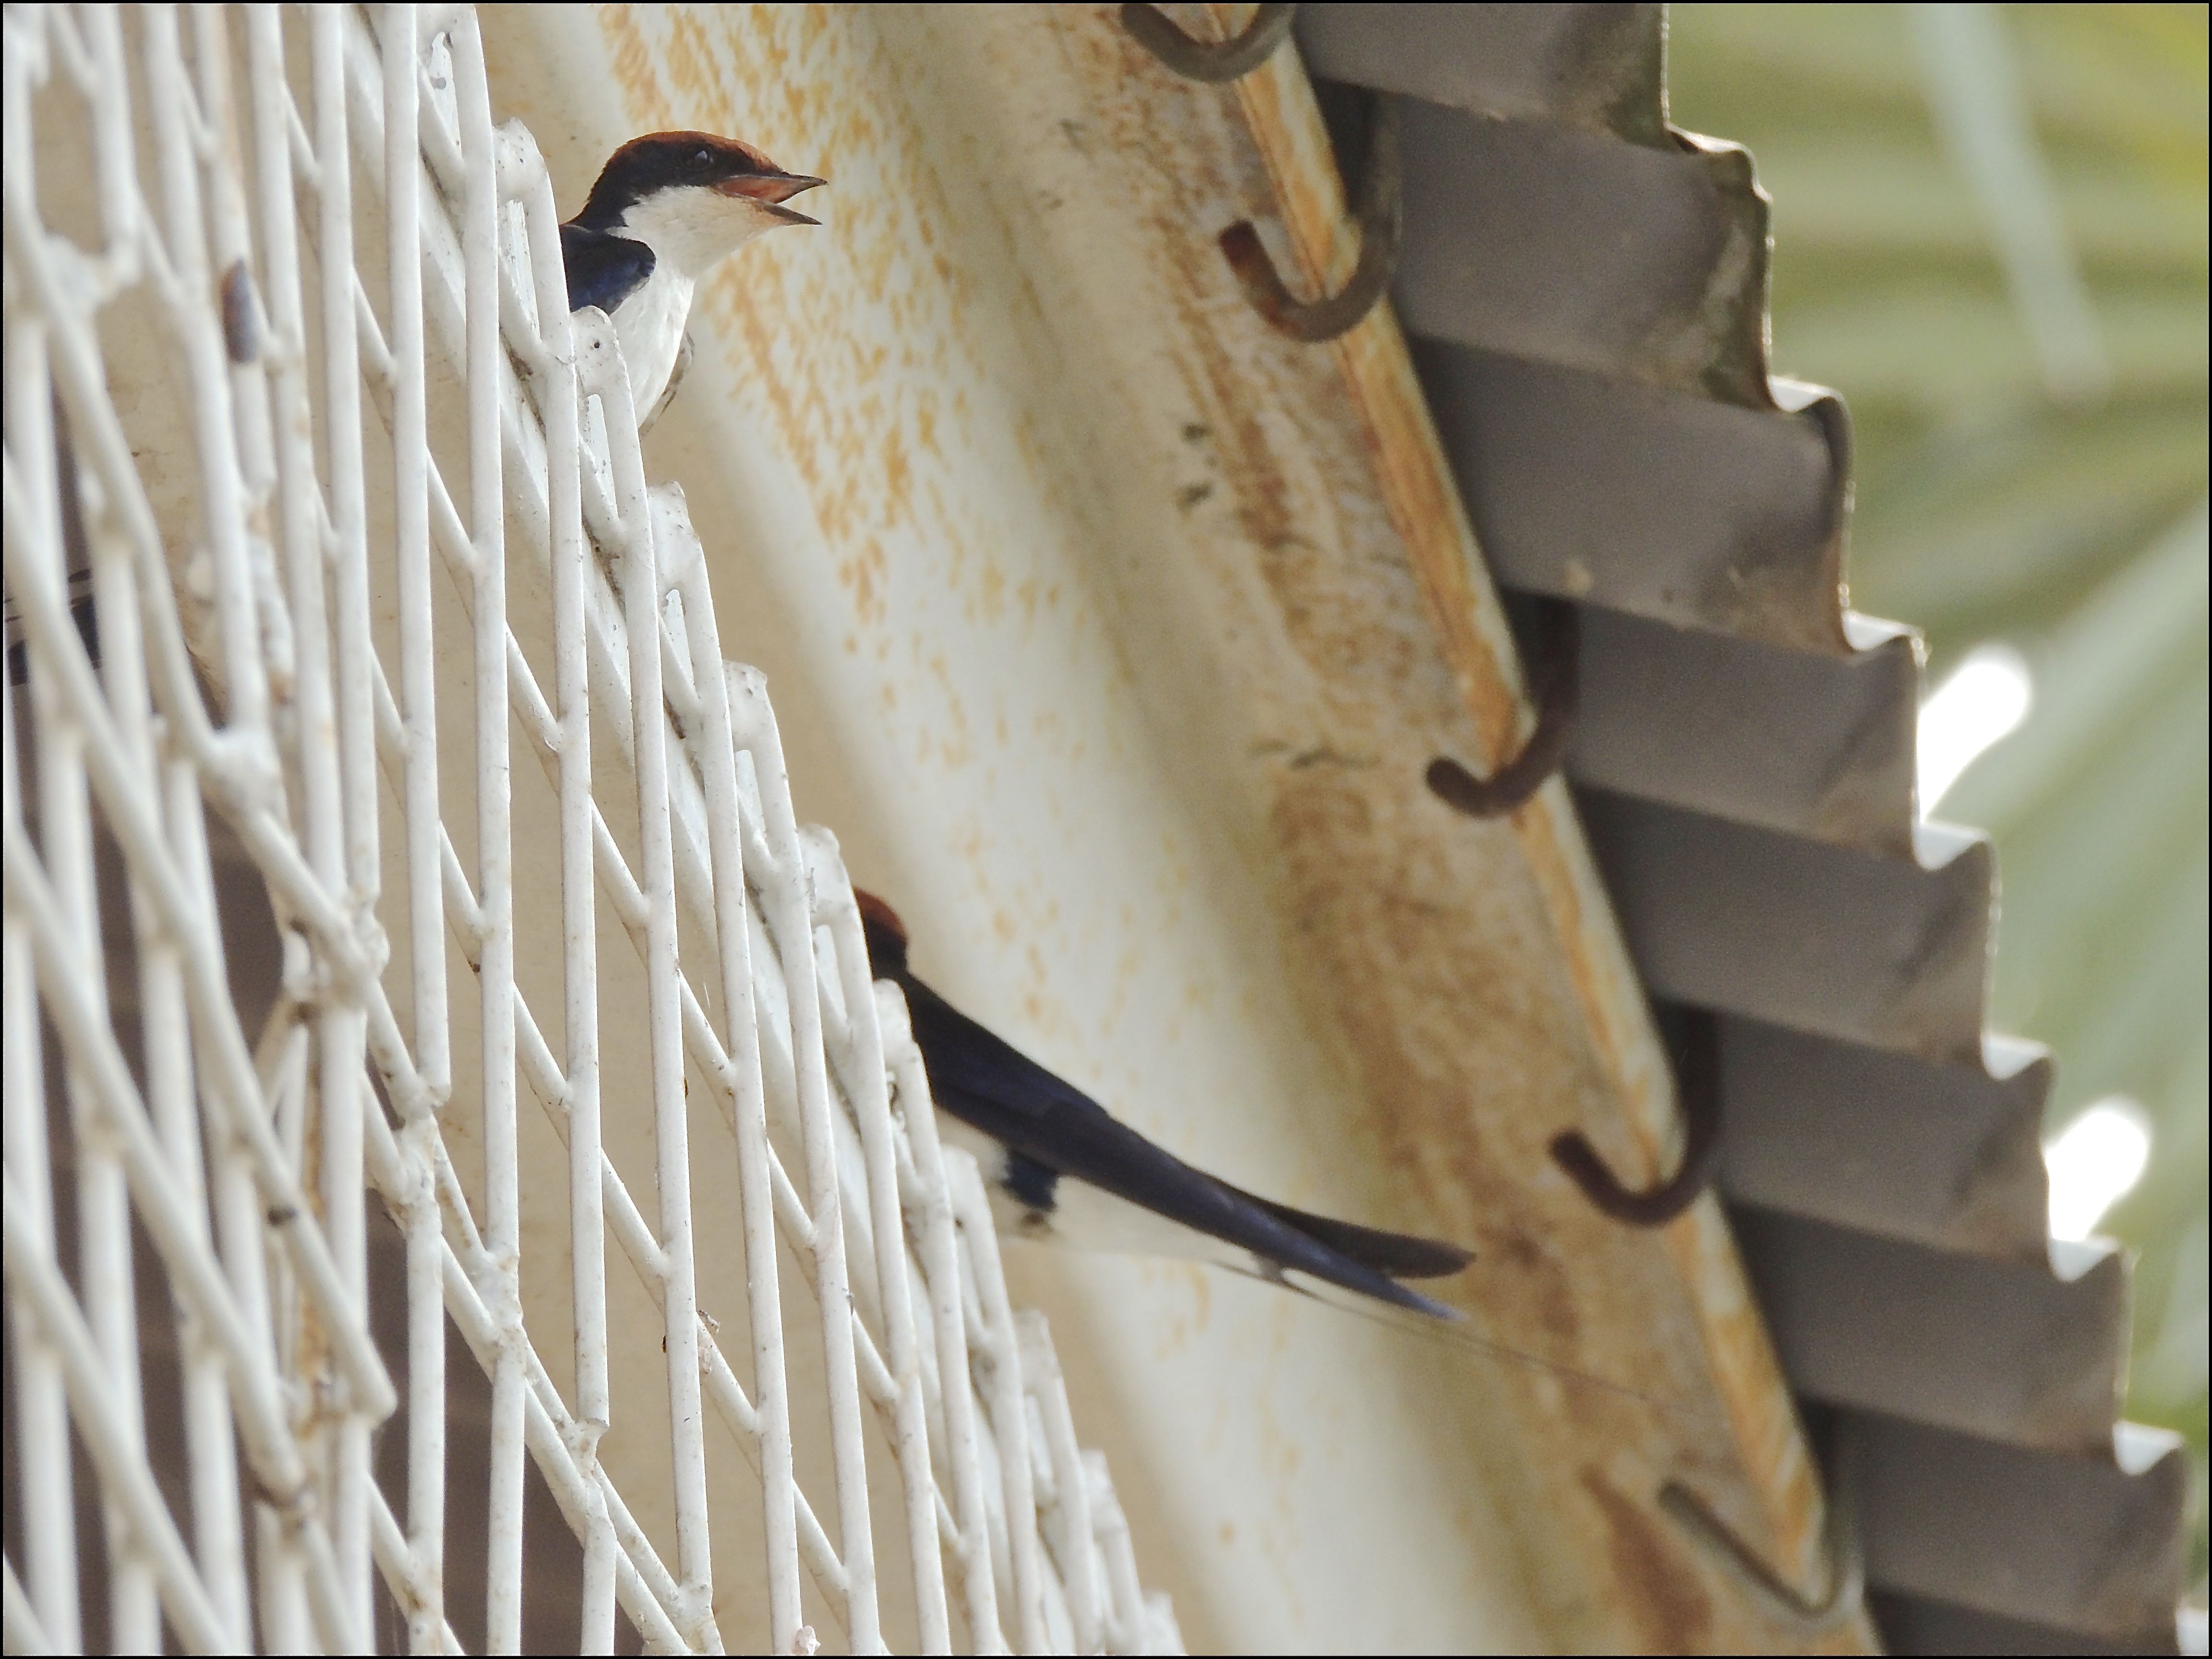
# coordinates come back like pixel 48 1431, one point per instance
pixel 2030 421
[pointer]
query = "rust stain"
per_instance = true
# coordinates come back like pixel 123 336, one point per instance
pixel 632 61
pixel 1426 510
pixel 1671 1607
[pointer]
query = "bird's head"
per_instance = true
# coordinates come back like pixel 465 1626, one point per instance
pixel 886 935
pixel 692 198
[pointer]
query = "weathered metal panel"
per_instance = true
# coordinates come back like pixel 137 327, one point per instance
pixel 1913 1623
pixel 1821 938
pixel 2090 1544
pixel 1875 1323
pixel 1661 503
pixel 1596 66
pixel 1946 1155
pixel 1816 746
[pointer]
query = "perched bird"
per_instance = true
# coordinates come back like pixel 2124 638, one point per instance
pixel 1060 1166
pixel 667 208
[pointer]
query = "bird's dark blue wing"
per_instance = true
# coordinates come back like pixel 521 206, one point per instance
pixel 996 1078
pixel 603 271
pixel 987 1082
pixel 1401 1255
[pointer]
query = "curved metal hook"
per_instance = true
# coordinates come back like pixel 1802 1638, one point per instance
pixel 1213 61
pixel 1840 1540
pixel 1698 1083
pixel 1557 688
pixel 1380 218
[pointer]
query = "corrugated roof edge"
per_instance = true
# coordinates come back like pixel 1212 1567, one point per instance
pixel 1588 285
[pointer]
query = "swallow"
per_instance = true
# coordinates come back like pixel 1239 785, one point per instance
pixel 667 208
pixel 1059 1165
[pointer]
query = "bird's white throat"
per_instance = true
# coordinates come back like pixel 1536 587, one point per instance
pixel 649 323
pixel 693 228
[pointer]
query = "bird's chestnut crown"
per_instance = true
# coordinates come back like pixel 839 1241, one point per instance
pixel 886 934
pixel 662 161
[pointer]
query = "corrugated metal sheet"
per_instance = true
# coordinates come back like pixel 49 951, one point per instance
pixel 1586 290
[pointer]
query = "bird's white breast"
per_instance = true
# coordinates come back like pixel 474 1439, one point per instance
pixel 650 325
pixel 691 229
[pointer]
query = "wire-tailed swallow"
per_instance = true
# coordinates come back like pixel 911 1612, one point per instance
pixel 667 208
pixel 1059 1165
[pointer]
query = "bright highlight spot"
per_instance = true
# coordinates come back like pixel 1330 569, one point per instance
pixel 1985 698
pixel 2094 1163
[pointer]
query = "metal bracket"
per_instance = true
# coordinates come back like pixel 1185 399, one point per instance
pixel 1846 1556
pixel 1557 687
pixel 1212 61
pixel 1698 1084
pixel 1381 217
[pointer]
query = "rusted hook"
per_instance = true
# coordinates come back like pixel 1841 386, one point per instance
pixel 1846 1557
pixel 1381 217
pixel 1698 1084
pixel 1212 61
pixel 1557 686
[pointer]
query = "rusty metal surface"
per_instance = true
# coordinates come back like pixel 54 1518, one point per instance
pixel 1583 286
pixel 1447 563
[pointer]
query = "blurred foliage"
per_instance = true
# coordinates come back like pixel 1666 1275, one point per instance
pixel 1985 510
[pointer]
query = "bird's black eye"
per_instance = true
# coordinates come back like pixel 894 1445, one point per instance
pixel 700 160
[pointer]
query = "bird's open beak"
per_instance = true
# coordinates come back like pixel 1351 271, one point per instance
pixel 772 190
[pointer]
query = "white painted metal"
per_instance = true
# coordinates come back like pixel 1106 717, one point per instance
pixel 305 622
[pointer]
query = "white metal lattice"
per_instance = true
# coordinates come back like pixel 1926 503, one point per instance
pixel 227 229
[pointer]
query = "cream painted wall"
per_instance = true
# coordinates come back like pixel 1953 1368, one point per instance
pixel 941 533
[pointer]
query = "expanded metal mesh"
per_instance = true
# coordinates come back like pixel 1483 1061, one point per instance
pixel 493 822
